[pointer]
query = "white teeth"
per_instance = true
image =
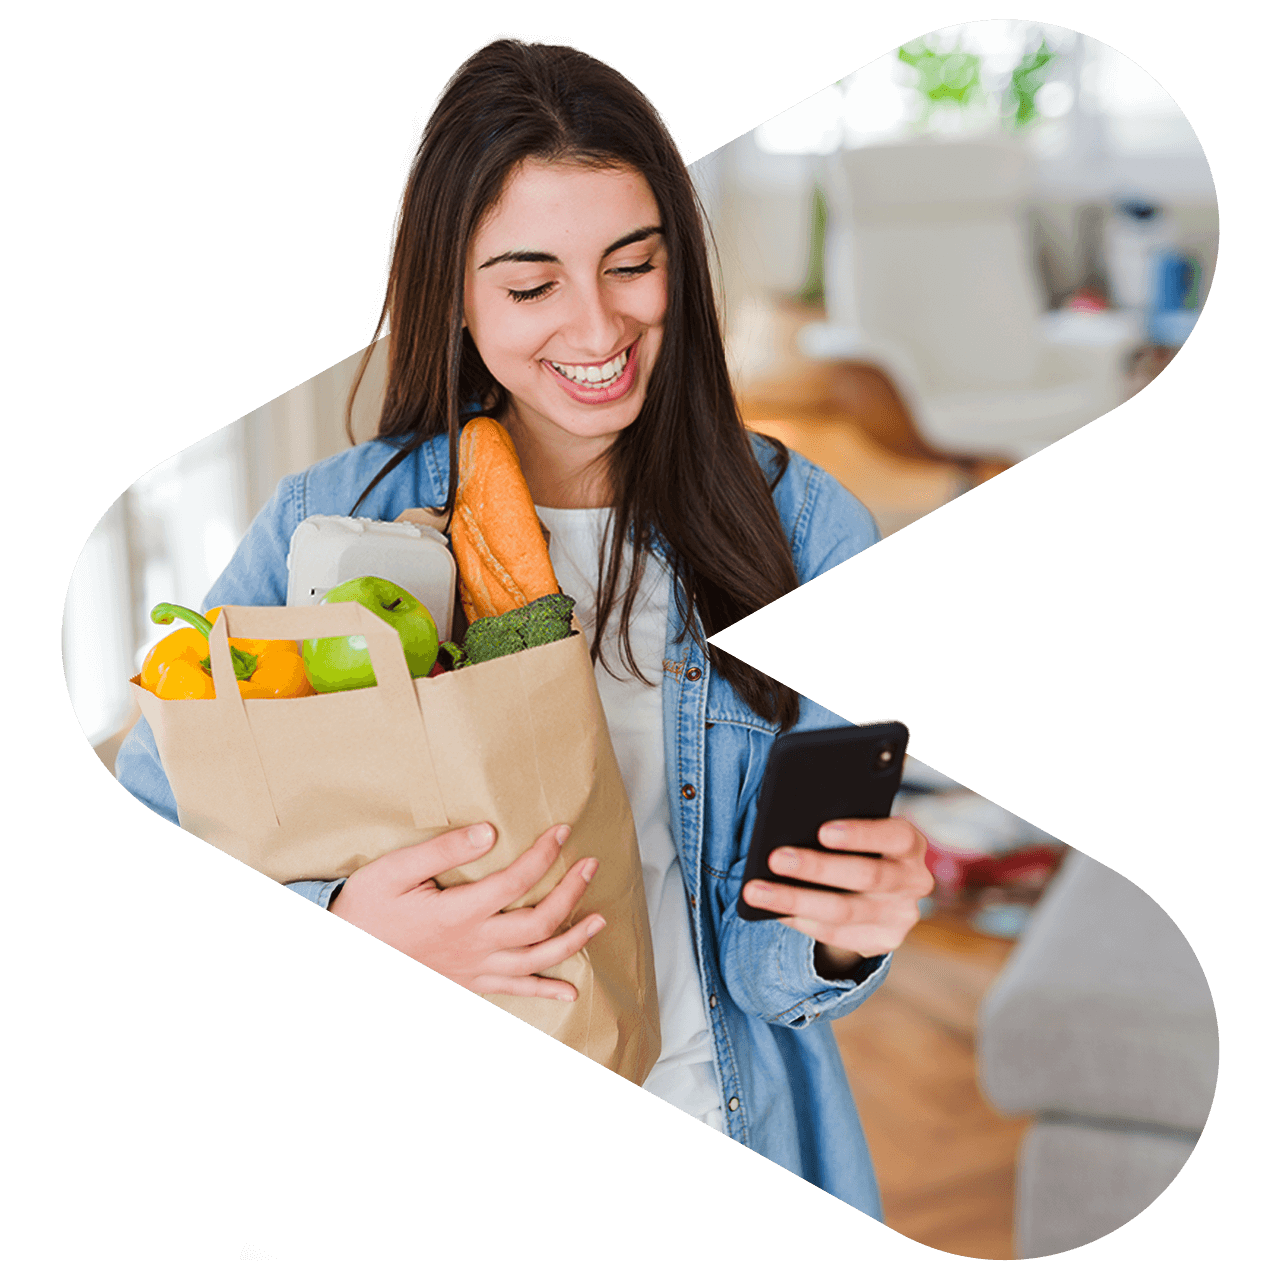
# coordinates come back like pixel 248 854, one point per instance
pixel 592 374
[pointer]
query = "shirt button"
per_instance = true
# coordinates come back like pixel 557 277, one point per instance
pixel 688 791
pixel 693 673
pixel 712 1002
pixel 733 1104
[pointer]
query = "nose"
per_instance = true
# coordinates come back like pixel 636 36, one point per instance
pixel 596 328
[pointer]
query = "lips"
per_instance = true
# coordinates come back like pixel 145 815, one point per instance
pixel 597 383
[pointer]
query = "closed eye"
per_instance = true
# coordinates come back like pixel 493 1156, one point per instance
pixel 530 295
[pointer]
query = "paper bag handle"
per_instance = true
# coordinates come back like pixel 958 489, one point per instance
pixel 400 722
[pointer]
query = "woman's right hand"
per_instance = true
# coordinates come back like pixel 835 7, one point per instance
pixel 463 932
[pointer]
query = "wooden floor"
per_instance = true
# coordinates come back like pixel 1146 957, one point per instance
pixel 944 1158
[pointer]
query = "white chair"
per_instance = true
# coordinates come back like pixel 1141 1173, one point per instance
pixel 929 275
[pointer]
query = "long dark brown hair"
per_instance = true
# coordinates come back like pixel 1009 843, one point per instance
pixel 684 476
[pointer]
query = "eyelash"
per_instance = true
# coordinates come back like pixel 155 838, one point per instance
pixel 531 295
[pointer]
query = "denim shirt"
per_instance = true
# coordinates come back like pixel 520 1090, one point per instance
pixel 783 1086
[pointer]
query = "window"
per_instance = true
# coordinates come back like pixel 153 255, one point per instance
pixel 165 539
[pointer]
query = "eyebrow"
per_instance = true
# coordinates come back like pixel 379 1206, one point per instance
pixel 535 255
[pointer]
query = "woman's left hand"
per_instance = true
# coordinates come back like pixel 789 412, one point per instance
pixel 875 904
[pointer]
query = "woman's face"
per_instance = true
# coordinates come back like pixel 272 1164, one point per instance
pixel 566 291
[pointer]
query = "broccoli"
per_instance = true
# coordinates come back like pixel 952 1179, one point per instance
pixel 541 621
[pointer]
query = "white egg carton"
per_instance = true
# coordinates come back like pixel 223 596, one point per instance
pixel 327 550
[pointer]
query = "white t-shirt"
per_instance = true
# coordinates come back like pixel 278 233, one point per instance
pixel 684 1075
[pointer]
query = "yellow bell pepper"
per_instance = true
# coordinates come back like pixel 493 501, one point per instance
pixel 280 672
pixel 183 678
pixel 179 665
pixel 186 645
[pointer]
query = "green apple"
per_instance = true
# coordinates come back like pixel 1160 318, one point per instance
pixel 342 662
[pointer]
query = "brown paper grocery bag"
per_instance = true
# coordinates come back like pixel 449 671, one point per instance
pixel 313 788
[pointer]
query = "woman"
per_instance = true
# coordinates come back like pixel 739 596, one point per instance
pixel 550 271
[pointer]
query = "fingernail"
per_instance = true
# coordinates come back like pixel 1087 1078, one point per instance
pixel 589 868
pixel 759 890
pixel 562 834
pixel 784 860
pixel 481 835
pixel 594 927
pixel 566 997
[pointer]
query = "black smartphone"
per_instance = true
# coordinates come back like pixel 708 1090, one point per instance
pixel 810 778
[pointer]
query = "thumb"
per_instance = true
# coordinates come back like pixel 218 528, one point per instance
pixel 406 869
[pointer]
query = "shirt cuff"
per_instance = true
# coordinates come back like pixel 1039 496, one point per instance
pixel 321 892
pixel 862 972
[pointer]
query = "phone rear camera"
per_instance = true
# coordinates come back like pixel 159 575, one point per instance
pixel 885 757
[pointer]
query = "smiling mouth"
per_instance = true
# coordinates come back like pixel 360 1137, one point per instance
pixel 596 377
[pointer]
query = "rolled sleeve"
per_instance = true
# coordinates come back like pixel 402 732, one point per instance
pixel 769 970
pixel 321 892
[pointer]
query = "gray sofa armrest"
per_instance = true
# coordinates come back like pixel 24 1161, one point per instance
pixel 1102 1024
pixel 1102 1011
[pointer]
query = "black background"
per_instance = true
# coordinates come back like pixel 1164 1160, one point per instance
pixel 1051 640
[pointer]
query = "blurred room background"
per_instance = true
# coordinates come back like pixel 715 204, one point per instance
pixel 937 266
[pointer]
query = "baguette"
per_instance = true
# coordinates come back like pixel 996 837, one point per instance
pixel 497 538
